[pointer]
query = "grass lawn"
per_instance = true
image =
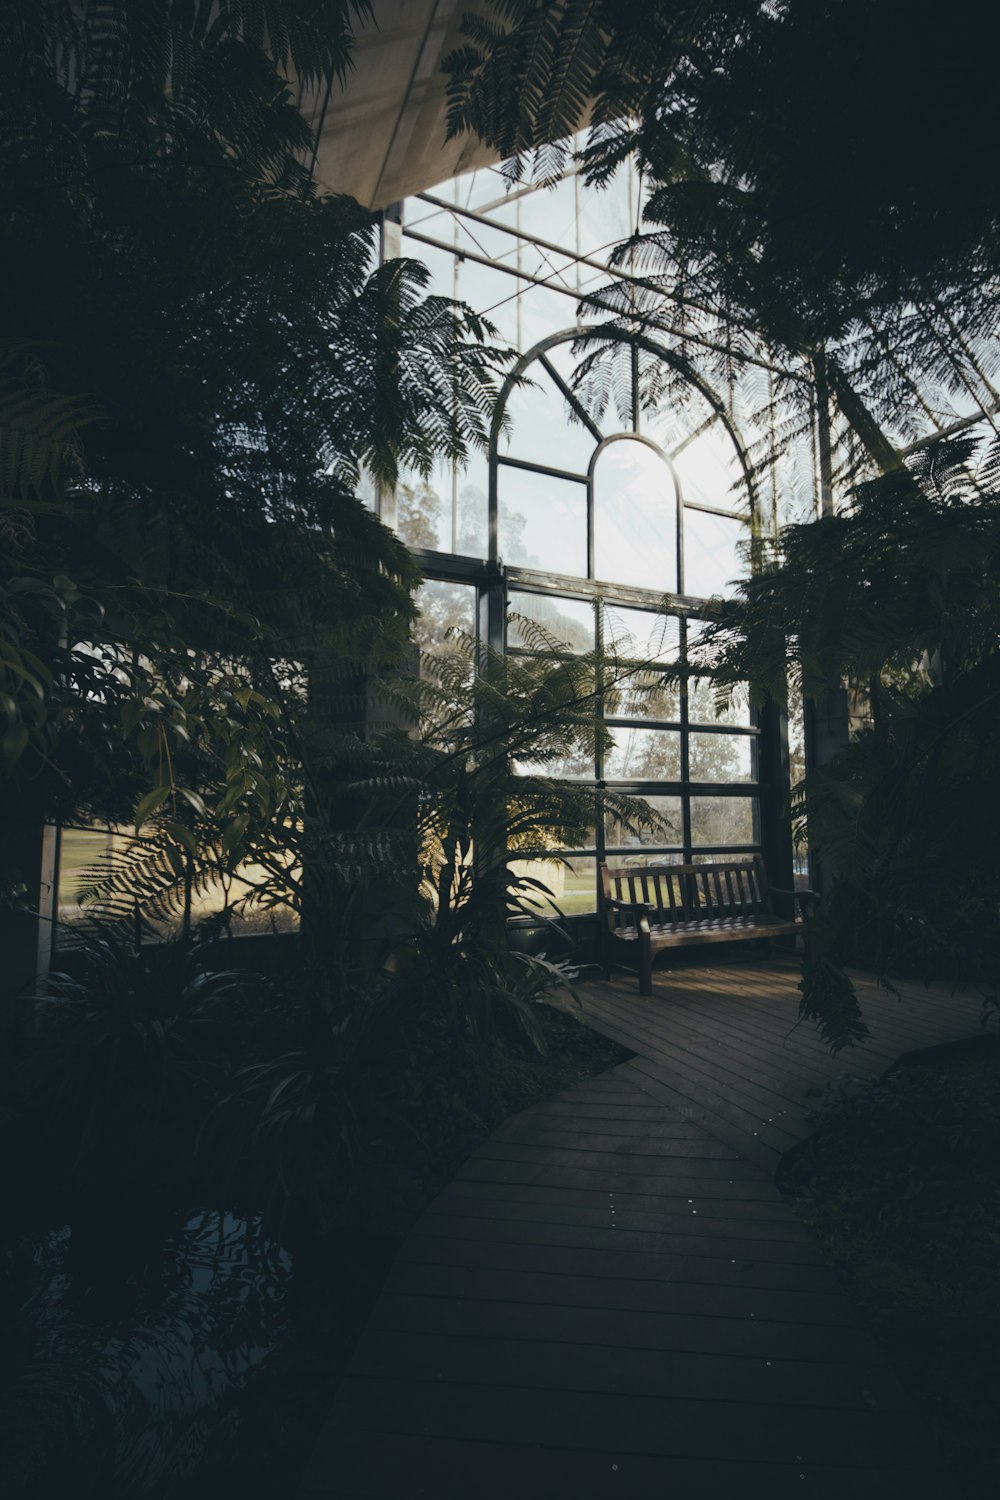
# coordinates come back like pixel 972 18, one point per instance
pixel 901 1183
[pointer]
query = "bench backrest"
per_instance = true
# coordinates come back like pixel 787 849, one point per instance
pixel 731 889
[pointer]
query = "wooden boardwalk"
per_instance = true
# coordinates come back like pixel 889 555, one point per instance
pixel 613 1300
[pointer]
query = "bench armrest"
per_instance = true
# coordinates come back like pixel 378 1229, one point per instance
pixel 806 899
pixel 639 909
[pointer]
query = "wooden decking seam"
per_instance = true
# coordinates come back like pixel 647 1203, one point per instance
pixel 535 1330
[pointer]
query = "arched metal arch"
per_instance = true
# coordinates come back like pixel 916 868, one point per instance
pixel 639 341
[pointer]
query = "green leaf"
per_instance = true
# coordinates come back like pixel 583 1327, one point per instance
pixel 234 833
pixel 182 835
pixel 151 803
pixel 195 800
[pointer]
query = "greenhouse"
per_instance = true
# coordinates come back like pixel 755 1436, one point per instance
pixel 498 713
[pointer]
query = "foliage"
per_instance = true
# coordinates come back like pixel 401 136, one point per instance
pixel 899 1184
pixel 780 190
pixel 202 367
pixel 897 597
pixel 118 1050
pixel 821 246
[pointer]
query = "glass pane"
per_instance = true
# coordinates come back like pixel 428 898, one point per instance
pixel 567 764
pixel 632 861
pixel 446 512
pixel 542 311
pixel 642 634
pixel 79 850
pixel 544 427
pixel 709 471
pixel 543 521
pixel 672 408
pixel 643 755
pixel 704 706
pixel 641 695
pixel 720 757
pixel 573 886
pixel 444 608
pixel 618 835
pixel 722 820
pixel 550 214
pixel 419 510
pixel 569 621
pixel 491 293
pixel 711 556
pixel 635 513
pixel 440 264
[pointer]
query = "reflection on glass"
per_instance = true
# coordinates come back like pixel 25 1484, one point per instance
pixel 641 633
pixel 643 755
pixel 571 886
pixel 720 757
pixel 642 695
pixel 570 622
pixel 706 705
pixel 709 471
pixel 618 833
pixel 544 427
pixel 542 521
pixel 712 562
pixel 722 820
pixel 635 510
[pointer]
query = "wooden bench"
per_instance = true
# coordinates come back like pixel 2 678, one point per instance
pixel 671 906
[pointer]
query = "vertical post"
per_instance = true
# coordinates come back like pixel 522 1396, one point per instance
pixel 823 445
pixel 827 716
pixel 390 247
pixel 30 868
pixel 775 791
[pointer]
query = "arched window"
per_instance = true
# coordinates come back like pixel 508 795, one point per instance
pixel 635 516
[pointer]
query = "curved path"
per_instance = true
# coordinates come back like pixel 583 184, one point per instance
pixel 612 1299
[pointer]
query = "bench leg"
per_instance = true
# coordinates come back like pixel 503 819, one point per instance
pixel 645 968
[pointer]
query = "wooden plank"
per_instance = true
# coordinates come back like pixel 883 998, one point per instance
pixel 753 1187
pixel 738 1300
pixel 676 1148
pixel 633 1424
pixel 744 1055
pixel 742 1104
pixel 746 1082
pixel 547 1366
pixel 560 1260
pixel 416 1467
pixel 624 1119
pixel 637 1142
pixel 614 1273
pixel 765 1221
pixel 750 1147
pixel 579 1323
pixel 446 1218
pixel 512 1200
pixel 619 1241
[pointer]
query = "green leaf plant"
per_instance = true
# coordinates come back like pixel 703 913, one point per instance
pixel 203 375
pixel 896 598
